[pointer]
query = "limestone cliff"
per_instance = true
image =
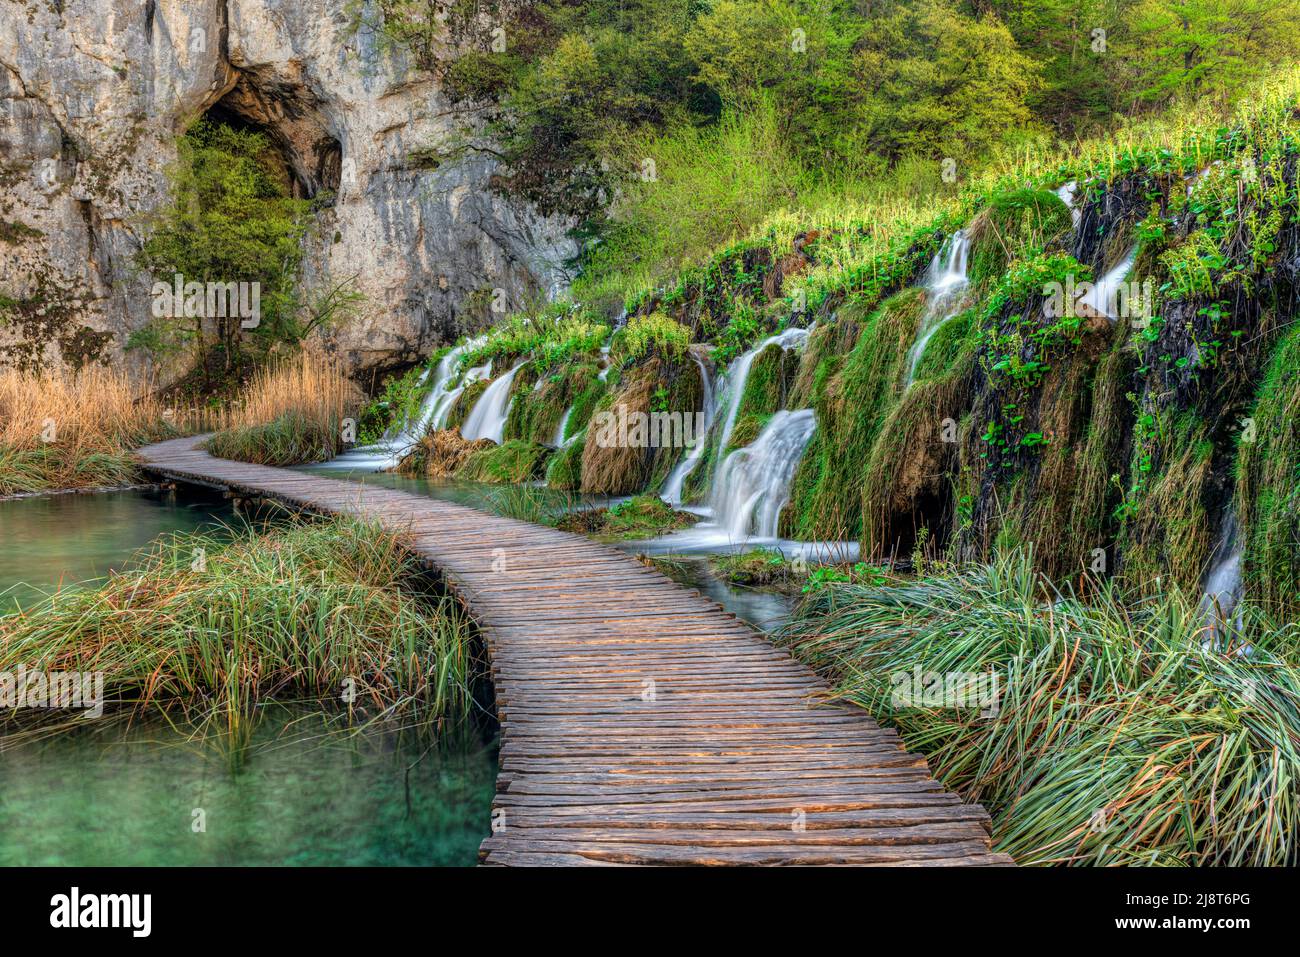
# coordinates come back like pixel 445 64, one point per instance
pixel 93 94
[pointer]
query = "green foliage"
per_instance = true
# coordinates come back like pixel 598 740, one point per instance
pixel 291 613
pixel 554 336
pixel 230 219
pixel 642 516
pixel 852 400
pixel 512 461
pixel 1268 485
pixel 398 403
pixel 655 334
pixel 1013 223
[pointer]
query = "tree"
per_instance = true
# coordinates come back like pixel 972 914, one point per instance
pixel 230 219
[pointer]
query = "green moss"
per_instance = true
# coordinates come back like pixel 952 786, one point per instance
pixel 950 343
pixel 1268 485
pixel 1167 529
pixel 460 409
pixel 1010 225
pixel 512 461
pixel 645 516
pixel 565 468
pixel 852 405
pixel 771 376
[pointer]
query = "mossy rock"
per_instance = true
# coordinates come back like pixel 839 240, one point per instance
pixel 852 404
pixel 1012 223
pixel 948 346
pixel 618 464
pixel 565 468
pixel 441 453
pixel 460 409
pixel 771 377
pixel 645 516
pixel 512 462
pixel 1268 487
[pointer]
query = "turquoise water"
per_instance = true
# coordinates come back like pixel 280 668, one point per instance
pixel 138 798
pixel 59 540
pixel 113 795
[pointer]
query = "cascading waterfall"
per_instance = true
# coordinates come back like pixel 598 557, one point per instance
pixel 1102 297
pixel 753 484
pixel 487 420
pixel 400 437
pixel 1068 194
pixel 447 389
pixel 1223 581
pixel 738 375
pixel 559 441
pixel 672 490
pixel 945 284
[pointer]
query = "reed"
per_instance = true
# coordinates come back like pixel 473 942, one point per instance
pixel 67 430
pixel 210 627
pixel 291 412
pixel 1125 732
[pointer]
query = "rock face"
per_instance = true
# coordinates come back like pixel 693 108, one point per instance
pixel 93 94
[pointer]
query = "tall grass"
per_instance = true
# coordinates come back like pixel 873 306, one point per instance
pixel 210 628
pixel 291 412
pixel 1124 734
pixel 67 430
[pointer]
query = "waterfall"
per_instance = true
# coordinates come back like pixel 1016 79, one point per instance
pixel 1101 299
pixel 558 441
pixel 487 420
pixel 738 375
pixel 1223 581
pixel 945 284
pixel 1069 195
pixel 447 387
pixel 401 436
pixel 672 490
pixel 753 483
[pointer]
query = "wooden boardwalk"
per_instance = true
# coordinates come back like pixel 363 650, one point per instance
pixel 641 723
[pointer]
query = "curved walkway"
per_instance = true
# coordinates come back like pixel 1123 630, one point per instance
pixel 641 723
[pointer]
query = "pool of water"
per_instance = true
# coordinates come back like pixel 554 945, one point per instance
pixel 151 796
pixel 59 540
pixel 112 795
pixel 765 610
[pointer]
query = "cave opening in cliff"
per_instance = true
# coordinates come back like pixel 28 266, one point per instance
pixel 307 154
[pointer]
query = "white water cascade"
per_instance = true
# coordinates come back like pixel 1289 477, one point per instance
pixel 738 374
pixel 400 437
pixel 753 484
pixel 1102 298
pixel 447 387
pixel 672 490
pixel 1223 581
pixel 1069 195
pixel 487 420
pixel 559 441
pixel 945 284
